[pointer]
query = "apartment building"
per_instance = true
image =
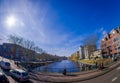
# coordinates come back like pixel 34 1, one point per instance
pixel 13 51
pixel 86 51
pixel 89 49
pixel 110 44
pixel 81 52
pixel 97 53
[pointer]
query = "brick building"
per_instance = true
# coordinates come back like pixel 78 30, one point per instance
pixel 110 44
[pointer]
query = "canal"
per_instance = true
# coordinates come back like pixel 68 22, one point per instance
pixel 59 66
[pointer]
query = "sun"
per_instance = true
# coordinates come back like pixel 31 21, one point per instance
pixel 11 21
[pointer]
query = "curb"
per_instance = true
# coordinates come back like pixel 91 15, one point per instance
pixel 83 79
pixel 102 72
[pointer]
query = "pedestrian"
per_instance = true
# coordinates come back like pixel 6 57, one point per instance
pixel 89 67
pixel 102 65
pixel 99 66
pixel 17 63
pixel 64 71
pixel 96 65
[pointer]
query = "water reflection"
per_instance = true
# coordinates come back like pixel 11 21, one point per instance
pixel 59 66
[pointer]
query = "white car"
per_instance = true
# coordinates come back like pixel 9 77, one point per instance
pixel 5 65
pixel 19 74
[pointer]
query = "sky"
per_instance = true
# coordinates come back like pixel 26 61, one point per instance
pixel 58 26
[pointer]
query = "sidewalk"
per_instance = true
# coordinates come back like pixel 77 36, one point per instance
pixel 13 65
pixel 72 77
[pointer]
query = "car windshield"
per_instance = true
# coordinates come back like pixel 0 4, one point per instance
pixel 0 70
pixel 7 64
pixel 25 74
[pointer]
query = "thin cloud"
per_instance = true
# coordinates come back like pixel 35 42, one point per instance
pixel 35 24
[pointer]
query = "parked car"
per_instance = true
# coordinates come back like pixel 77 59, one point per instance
pixel 19 74
pixel 5 65
pixel 3 78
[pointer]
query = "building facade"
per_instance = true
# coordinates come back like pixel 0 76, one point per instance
pixel 97 53
pixel 86 51
pixel 75 56
pixel 15 52
pixel 81 52
pixel 110 44
pixel 12 51
pixel 89 49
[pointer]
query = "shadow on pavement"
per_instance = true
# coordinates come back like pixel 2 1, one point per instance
pixel 71 75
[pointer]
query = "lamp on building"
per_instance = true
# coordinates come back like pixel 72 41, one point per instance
pixel 102 39
pixel 113 32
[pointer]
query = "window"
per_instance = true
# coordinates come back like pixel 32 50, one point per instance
pixel 116 39
pixel 118 48
pixel 104 44
pixel 106 39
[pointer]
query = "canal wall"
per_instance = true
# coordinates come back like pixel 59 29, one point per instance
pixel 33 65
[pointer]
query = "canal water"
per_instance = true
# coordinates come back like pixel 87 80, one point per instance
pixel 59 67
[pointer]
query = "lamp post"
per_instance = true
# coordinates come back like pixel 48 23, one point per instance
pixel 1 49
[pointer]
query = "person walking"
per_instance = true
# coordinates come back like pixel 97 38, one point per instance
pixel 64 71
pixel 96 65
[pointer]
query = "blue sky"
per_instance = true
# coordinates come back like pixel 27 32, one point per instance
pixel 58 26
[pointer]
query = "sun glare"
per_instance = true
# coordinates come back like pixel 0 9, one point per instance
pixel 10 21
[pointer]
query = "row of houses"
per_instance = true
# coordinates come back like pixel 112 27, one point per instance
pixel 109 47
pixel 16 52
pixel 85 52
pixel 110 44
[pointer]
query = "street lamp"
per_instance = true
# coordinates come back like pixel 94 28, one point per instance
pixel 2 49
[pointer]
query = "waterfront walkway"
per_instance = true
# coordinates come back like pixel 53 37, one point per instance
pixel 72 77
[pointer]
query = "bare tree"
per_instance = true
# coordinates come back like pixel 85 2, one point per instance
pixel 28 49
pixel 38 50
pixel 16 41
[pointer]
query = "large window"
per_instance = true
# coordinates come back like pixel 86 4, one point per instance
pixel 117 48
pixel 116 39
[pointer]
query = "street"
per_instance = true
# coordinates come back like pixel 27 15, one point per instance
pixel 13 80
pixel 110 77
pixel 7 73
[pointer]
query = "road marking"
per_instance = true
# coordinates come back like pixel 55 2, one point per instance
pixel 118 68
pixel 115 78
